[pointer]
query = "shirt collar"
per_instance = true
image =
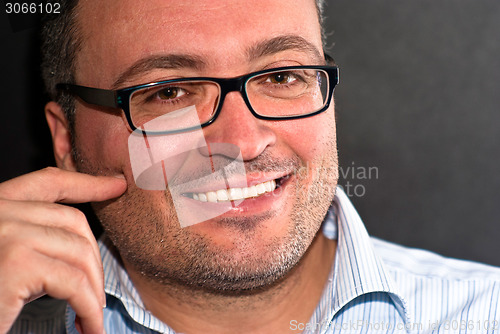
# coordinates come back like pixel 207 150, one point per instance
pixel 117 283
pixel 358 269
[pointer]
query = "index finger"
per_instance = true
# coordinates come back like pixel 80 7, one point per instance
pixel 57 185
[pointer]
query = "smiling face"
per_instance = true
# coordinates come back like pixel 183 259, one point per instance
pixel 253 244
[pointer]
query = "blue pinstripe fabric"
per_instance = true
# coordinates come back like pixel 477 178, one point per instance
pixel 374 287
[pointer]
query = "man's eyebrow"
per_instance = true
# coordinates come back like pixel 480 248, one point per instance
pixel 158 62
pixel 267 47
pixel 283 43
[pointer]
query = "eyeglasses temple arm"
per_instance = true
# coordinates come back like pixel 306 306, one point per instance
pixel 100 97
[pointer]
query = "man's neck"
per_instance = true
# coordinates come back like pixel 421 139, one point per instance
pixel 269 311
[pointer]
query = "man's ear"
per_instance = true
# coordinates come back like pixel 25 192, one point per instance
pixel 61 136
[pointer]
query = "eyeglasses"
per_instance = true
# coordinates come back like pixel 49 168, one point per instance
pixel 283 93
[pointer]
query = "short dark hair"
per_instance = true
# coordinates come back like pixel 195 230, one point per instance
pixel 320 7
pixel 60 42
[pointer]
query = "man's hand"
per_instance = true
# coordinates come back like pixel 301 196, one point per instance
pixel 48 248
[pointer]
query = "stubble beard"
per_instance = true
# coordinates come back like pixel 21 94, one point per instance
pixel 146 232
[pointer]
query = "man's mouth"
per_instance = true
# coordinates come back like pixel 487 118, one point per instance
pixel 234 194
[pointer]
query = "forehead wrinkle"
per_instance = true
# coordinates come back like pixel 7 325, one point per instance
pixel 283 43
pixel 147 64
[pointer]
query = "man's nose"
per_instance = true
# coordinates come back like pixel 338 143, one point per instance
pixel 238 126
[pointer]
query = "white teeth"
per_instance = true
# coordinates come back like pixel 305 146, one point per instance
pixel 222 195
pixel 261 188
pixel 245 192
pixel 249 192
pixel 253 191
pixel 202 197
pixel 268 185
pixel 233 194
pixel 212 197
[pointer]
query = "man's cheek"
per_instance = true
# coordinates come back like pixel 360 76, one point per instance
pixel 102 139
pixel 136 207
pixel 309 140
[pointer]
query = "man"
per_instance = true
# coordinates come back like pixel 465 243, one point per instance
pixel 282 260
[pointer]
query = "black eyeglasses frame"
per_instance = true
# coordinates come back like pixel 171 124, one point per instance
pixel 121 98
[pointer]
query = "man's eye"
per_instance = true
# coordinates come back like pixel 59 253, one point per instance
pixel 281 78
pixel 170 93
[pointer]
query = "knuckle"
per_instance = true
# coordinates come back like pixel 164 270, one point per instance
pixel 86 247
pixel 79 224
pixel 7 230
pixel 50 172
pixel 48 180
pixel 69 213
pixel 78 215
pixel 80 279
pixel 79 220
pixel 13 256
pixel 68 218
pixel 85 252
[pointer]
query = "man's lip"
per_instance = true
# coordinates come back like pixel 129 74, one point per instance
pixel 253 180
pixel 235 182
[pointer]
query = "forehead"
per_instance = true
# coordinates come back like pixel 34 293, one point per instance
pixel 115 34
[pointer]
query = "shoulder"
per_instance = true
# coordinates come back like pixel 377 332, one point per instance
pixel 426 264
pixel 44 315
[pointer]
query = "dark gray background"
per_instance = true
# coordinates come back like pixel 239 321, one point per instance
pixel 419 101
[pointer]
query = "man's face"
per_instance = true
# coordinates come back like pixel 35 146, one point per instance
pixel 262 239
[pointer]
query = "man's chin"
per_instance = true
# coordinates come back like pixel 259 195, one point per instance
pixel 249 284
pixel 243 274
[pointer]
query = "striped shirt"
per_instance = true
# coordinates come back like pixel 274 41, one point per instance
pixel 374 287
